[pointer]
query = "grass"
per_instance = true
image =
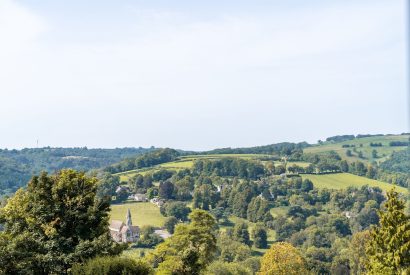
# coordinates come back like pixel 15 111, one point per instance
pixel 383 152
pixel 142 213
pixel 281 210
pixel 344 180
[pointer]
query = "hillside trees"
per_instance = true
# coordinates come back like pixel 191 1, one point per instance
pixel 205 196
pixel 230 167
pixel 56 222
pixel 241 233
pixel 260 237
pixel 146 160
pixel 176 209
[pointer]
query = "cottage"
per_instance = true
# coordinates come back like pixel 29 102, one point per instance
pixel 157 201
pixel 122 189
pixel 139 197
pixel 124 232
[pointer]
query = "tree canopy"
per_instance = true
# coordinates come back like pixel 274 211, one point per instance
pixel 56 222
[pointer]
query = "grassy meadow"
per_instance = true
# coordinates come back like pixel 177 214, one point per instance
pixel 142 213
pixel 344 180
pixel 383 152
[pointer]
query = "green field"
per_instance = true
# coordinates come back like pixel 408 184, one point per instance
pixel 344 180
pixel 383 152
pixel 143 213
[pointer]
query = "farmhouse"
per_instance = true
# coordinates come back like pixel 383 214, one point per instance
pixel 157 201
pixel 122 189
pixel 139 197
pixel 124 232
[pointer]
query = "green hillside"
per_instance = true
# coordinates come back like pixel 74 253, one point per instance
pixel 184 162
pixel 344 180
pixel 363 145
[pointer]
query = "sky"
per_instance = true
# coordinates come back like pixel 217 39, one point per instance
pixel 198 75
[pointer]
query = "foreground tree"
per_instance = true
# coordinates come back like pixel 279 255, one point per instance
pixel 389 247
pixel 282 258
pixel 190 249
pixel 56 222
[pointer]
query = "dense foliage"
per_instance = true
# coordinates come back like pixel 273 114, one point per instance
pixel 112 266
pixel 389 246
pixel 284 148
pixel 147 160
pixel 283 259
pixel 398 162
pixel 230 167
pixel 17 166
pixel 55 223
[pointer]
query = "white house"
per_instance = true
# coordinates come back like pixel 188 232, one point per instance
pixel 157 201
pixel 138 197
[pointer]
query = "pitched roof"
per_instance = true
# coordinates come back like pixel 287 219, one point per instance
pixel 116 225
pixel 133 229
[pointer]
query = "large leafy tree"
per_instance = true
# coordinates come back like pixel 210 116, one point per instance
pixel 389 247
pixel 282 258
pixel 190 249
pixel 56 222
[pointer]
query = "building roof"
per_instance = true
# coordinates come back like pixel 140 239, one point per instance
pixel 116 225
pixel 132 228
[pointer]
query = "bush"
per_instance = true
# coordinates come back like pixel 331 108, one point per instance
pixel 112 266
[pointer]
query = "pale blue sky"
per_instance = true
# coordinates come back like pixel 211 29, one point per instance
pixel 199 74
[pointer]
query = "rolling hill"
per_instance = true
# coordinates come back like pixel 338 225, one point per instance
pixel 363 145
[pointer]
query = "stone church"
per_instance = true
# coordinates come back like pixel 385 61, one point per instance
pixel 124 232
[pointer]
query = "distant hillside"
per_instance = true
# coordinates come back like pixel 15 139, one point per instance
pixel 398 162
pixel 365 148
pixel 17 166
pixel 284 148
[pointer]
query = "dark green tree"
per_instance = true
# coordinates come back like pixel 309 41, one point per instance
pixel 260 237
pixel 241 233
pixel 170 223
pixel 57 222
pixel 389 247
pixel 176 209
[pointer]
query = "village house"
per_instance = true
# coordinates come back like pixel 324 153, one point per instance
pixel 157 201
pixel 124 232
pixel 139 197
pixel 122 189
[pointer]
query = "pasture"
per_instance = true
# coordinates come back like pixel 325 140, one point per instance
pixel 363 145
pixel 344 180
pixel 142 213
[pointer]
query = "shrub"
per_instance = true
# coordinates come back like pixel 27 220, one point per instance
pixel 112 266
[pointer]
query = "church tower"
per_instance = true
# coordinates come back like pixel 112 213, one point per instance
pixel 129 221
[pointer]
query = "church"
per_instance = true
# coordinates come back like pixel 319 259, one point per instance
pixel 124 232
